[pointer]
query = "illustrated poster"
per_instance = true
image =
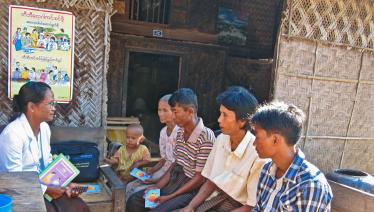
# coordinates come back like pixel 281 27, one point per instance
pixel 41 48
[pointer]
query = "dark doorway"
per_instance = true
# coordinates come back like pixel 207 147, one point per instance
pixel 150 76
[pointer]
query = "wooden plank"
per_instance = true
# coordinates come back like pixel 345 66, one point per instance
pixel 348 199
pixel 109 199
pixel 102 196
pixel 145 29
pixel 25 190
pixel 119 200
pixel 100 206
pixel 116 127
pixel 60 134
pixel 115 76
pixel 117 186
pixel 122 121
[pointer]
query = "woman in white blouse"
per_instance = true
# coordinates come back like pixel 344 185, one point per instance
pixel 25 142
pixel 168 136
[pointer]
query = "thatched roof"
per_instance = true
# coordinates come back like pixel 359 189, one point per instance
pixel 88 4
pixel 98 5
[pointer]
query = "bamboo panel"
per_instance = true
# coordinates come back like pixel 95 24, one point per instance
pixel 333 61
pixel 97 5
pixel 363 115
pixel 85 109
pixel 367 72
pixel 347 22
pixel 324 153
pixel 5 103
pixel 334 87
pixel 331 108
pixel 302 54
pixel 359 155
pixel 294 90
pixel 90 58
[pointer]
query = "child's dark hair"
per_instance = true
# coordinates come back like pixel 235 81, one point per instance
pixel 184 97
pixel 240 101
pixel 30 92
pixel 279 117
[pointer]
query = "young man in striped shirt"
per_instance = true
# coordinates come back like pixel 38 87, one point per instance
pixel 193 145
pixel 288 182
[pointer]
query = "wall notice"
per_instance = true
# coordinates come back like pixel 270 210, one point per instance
pixel 41 48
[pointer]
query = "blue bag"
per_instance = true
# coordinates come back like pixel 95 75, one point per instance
pixel 84 155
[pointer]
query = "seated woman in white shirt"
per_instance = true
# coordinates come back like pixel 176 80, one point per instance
pixel 168 136
pixel 233 166
pixel 24 143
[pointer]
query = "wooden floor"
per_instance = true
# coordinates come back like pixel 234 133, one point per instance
pixel 99 202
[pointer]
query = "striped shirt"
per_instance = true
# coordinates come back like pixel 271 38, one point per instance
pixel 193 153
pixel 303 188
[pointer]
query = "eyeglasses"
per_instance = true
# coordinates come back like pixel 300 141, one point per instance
pixel 52 104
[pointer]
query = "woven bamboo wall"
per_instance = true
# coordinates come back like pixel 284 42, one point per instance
pixel 338 21
pixel 88 106
pixel 332 80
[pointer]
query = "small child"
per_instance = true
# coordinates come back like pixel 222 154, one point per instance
pixel 130 155
pixel 168 136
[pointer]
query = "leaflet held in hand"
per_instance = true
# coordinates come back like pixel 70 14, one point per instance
pixel 139 174
pixel 152 198
pixel 59 173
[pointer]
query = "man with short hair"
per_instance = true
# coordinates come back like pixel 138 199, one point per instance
pixel 288 182
pixel 193 145
pixel 233 166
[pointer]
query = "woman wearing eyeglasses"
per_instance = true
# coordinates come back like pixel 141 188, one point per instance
pixel 24 143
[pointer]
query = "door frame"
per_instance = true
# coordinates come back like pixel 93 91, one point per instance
pixel 128 50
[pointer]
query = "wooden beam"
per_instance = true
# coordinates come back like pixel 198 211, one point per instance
pixel 146 29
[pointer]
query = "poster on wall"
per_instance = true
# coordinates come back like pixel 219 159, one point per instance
pixel 41 48
pixel 232 27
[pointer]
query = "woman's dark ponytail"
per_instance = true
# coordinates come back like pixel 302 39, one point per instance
pixel 30 92
pixel 17 107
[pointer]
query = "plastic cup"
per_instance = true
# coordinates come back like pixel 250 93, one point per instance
pixel 5 203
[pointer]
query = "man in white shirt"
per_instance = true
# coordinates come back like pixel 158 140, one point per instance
pixel 233 166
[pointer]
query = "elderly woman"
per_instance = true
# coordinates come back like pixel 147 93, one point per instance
pixel 24 143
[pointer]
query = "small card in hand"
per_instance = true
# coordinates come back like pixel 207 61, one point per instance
pixel 79 189
pixel 151 198
pixel 91 188
pixel 139 174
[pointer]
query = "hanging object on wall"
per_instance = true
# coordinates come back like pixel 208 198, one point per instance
pixel 41 48
pixel 231 27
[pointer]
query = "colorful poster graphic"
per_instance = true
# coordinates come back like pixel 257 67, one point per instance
pixel 41 48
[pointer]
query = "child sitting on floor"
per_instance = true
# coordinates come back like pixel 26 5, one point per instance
pixel 131 154
pixel 168 136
